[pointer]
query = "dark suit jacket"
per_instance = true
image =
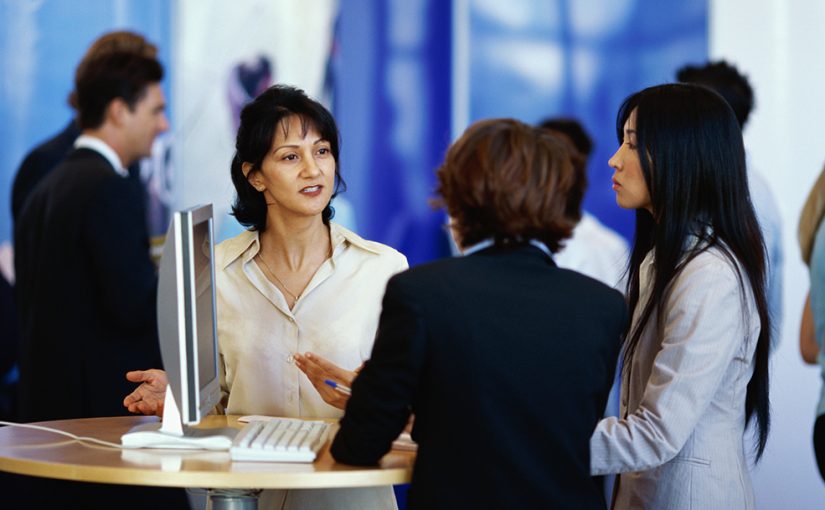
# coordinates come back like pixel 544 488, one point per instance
pixel 506 361
pixel 86 291
pixel 9 342
pixel 44 158
pixel 39 163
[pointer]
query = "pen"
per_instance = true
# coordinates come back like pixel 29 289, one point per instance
pixel 338 387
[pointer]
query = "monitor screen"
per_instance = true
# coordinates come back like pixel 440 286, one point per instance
pixel 204 303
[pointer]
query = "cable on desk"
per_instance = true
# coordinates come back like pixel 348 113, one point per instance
pixel 63 433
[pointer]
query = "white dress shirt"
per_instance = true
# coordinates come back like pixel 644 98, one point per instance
pixel 336 317
pixel 770 221
pixel 596 251
pixel 679 441
pixel 102 148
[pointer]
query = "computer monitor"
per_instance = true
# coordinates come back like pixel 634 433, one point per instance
pixel 187 324
pixel 187 331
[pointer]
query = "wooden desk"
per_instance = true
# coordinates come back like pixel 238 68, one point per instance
pixel 44 454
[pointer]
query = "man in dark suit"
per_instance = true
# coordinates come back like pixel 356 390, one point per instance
pixel 504 359
pixel 38 163
pixel 41 160
pixel 85 282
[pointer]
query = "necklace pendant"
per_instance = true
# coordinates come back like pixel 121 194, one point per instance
pixel 280 285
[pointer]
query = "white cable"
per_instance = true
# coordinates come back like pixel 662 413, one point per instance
pixel 63 433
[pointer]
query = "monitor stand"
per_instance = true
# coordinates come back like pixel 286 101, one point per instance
pixel 170 432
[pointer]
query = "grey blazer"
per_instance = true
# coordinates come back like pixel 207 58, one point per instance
pixel 679 443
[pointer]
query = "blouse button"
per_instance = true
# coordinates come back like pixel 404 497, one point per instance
pixel 289 359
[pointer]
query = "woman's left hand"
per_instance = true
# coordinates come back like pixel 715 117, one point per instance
pixel 319 369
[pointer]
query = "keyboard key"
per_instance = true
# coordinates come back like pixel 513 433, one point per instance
pixel 280 440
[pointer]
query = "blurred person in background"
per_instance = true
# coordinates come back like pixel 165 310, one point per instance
pixel 85 282
pixel 86 286
pixel 593 249
pixel 36 165
pixel 812 330
pixel 727 81
pixel 41 160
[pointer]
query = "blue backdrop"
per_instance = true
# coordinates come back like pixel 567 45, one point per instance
pixel 534 59
pixel 405 72
pixel 392 73
pixel 393 107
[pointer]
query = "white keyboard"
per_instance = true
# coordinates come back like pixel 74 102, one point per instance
pixel 279 440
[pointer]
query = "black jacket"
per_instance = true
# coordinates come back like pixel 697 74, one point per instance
pixel 86 291
pixel 506 361
pixel 39 163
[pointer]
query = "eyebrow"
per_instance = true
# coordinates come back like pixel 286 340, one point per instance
pixel 295 146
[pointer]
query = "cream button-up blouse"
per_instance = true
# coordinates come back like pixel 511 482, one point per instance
pixel 336 317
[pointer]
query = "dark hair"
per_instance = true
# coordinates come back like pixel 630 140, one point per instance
pixel 510 182
pixel 111 42
pixel 573 130
pixel 580 143
pixel 120 74
pixel 256 133
pixel 693 160
pixel 725 80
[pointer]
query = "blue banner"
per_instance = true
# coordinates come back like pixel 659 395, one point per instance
pixel 532 59
pixel 392 101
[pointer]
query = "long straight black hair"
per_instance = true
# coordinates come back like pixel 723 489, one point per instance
pixel 693 160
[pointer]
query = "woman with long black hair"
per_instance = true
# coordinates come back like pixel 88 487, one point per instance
pixel 695 372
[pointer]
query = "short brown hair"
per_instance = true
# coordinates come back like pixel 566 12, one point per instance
pixel 510 182
pixel 112 42
pixel 121 75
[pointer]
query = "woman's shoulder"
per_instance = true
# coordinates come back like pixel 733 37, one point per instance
pixel 714 266
pixel 371 249
pixel 230 249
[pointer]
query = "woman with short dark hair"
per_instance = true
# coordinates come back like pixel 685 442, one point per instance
pixel 505 359
pixel 695 357
pixel 278 108
pixel 297 295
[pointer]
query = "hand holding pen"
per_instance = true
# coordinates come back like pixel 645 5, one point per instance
pixel 338 387
pixel 319 370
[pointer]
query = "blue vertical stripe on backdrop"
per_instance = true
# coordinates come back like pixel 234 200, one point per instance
pixel 393 108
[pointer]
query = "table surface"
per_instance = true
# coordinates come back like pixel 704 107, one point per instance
pixel 45 454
